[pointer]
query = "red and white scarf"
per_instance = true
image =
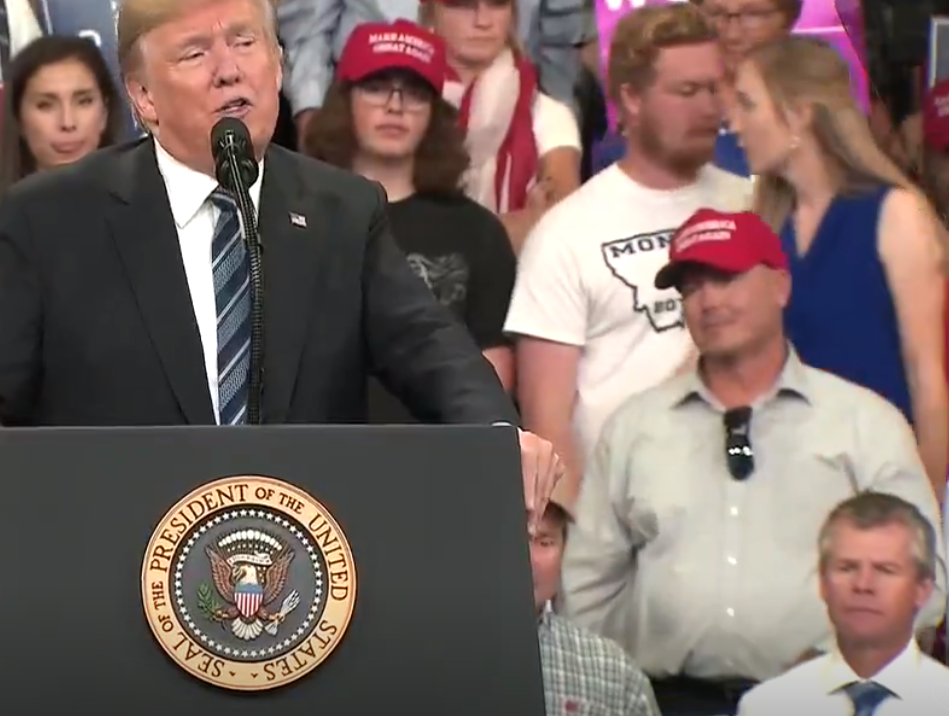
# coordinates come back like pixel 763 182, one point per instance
pixel 496 112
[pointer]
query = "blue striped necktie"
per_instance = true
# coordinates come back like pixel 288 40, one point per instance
pixel 231 271
pixel 866 697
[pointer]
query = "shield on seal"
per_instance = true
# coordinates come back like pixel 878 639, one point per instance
pixel 248 598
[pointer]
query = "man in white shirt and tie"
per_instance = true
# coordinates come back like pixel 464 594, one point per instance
pixel 877 566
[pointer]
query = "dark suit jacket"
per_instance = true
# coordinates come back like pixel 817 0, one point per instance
pixel 97 325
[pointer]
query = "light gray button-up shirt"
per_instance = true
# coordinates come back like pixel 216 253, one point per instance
pixel 698 574
pixel 314 33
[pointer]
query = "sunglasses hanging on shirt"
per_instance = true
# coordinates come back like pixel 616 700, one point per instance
pixel 738 453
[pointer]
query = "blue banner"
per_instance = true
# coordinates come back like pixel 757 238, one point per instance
pixel 94 19
pixel 938 58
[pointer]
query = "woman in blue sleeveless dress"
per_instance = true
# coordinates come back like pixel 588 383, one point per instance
pixel 864 245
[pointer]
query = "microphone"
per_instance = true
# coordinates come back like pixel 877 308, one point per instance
pixel 233 154
pixel 235 168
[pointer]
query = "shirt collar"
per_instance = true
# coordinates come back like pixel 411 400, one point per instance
pixel 898 676
pixel 792 381
pixel 188 189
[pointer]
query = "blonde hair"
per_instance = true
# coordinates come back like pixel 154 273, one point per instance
pixel 803 71
pixel 426 18
pixel 136 18
pixel 934 177
pixel 642 34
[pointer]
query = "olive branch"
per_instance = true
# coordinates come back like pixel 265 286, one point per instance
pixel 208 605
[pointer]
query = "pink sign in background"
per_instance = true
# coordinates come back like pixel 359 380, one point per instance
pixel 839 23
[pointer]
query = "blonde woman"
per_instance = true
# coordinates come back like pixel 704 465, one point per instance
pixel 864 245
pixel 743 26
pixel 524 145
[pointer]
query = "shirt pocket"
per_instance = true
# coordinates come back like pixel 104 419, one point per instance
pixel 658 518
pixel 808 488
pixel 559 705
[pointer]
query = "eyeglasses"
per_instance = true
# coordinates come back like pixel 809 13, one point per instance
pixel 380 94
pixel 473 4
pixel 748 19
pixel 738 453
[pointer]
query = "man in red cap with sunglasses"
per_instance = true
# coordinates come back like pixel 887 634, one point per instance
pixel 694 545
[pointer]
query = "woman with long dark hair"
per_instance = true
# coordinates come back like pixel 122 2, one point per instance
pixel 60 104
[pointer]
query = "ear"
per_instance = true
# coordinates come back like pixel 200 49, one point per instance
pixel 783 287
pixel 800 117
pixel 923 591
pixel 631 102
pixel 141 100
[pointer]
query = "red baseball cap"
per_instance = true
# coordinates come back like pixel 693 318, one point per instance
pixel 936 116
pixel 402 45
pixel 733 243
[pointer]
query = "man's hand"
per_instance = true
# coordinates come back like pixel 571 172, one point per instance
pixel 541 469
pixel 540 197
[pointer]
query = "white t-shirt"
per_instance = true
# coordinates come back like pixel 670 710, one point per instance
pixel 554 125
pixel 585 278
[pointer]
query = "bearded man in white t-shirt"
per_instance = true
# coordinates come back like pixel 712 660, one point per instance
pixel 591 329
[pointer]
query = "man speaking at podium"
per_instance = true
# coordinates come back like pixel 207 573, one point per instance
pixel 125 286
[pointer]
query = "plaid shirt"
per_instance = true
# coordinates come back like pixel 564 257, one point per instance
pixel 588 675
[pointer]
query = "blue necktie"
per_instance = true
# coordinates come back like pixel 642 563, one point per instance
pixel 232 295
pixel 866 697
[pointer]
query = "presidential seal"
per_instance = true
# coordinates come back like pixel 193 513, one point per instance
pixel 248 583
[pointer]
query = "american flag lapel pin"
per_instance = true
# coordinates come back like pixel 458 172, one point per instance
pixel 298 220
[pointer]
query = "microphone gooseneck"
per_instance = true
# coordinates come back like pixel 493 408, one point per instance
pixel 235 168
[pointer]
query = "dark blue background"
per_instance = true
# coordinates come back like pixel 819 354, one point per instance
pixel 94 19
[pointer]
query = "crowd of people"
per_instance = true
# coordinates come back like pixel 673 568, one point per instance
pixel 728 319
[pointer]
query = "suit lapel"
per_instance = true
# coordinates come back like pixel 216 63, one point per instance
pixel 294 241
pixel 147 241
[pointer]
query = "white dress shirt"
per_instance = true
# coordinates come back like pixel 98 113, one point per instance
pixel 195 217
pixel 919 684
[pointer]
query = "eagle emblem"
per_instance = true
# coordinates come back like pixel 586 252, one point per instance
pixel 249 569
